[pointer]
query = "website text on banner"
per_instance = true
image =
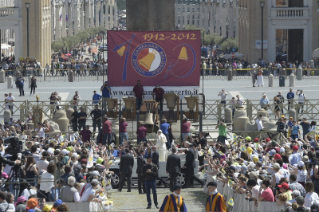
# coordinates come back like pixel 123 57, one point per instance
pixel 182 91
pixel 167 58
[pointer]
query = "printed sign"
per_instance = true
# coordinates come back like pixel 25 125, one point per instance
pixel 167 58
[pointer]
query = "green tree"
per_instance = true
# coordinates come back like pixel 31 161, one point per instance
pixel 121 4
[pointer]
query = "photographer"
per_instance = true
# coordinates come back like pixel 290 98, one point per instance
pixel 223 95
pixel 5 160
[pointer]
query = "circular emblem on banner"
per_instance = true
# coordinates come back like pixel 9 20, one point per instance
pixel 149 59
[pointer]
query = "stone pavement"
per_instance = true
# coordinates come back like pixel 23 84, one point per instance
pixel 124 201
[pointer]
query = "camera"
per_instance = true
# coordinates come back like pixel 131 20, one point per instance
pixel 17 147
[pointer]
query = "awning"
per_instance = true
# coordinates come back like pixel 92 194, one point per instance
pixel 315 53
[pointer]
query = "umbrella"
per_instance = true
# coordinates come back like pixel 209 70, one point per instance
pixel 68 54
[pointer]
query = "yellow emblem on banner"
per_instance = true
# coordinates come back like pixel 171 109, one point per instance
pixel 183 54
pixel 147 61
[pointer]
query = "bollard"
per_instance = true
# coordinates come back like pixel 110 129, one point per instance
pixel 299 73
pixel 292 113
pixel 292 80
pixel 271 80
pixel 2 76
pixel 229 74
pixel 200 121
pixel 71 76
pixel 219 110
pixel 6 116
pixel 228 115
pixel 9 82
pixel 29 81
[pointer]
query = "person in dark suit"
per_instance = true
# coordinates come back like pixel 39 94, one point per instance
pixel 155 160
pixel 126 166
pixel 189 165
pixel 139 169
pixel 150 172
pixel 173 168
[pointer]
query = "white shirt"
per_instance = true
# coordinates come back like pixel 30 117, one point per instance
pixel 302 176
pixel 41 132
pixel 26 193
pixel 259 124
pixel 77 197
pixel 240 102
pixel 36 157
pixel 301 97
pixel 90 191
pixel 47 182
pixel 42 165
pixel 310 198
pixel 255 192
pixel 10 98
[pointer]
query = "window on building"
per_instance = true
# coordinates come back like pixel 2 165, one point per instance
pixel 193 23
pixel 187 22
pixel 193 9
pixel 179 22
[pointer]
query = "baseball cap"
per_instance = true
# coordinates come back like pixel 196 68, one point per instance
pixel 273 143
pixel 277 156
pixel 47 208
pixel 94 182
pixel 77 169
pixel 57 203
pixel 272 152
pixel 276 166
pixel 282 149
pixel 301 164
pixel 32 203
pixel 284 185
pixel 65 152
pixel 99 160
pixel 4 175
pixel 252 174
pixel 256 140
pixel 267 139
pixel 295 148
pixel 296 193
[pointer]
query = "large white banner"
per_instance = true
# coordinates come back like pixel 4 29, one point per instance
pixel 119 92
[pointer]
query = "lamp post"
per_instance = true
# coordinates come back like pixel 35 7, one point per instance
pixel 27 5
pixel 262 5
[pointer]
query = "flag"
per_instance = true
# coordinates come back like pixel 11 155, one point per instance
pixel 231 202
pixel 60 17
pixel 66 18
pixel 90 160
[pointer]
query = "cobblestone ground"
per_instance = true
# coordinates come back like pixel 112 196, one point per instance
pixel 124 201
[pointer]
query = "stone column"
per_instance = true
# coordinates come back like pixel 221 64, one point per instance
pixel 70 19
pixel 76 19
pixel 106 15
pixel 185 15
pixel 82 16
pixel 231 21
pixel 52 22
pixel 115 14
pixel 57 23
pixel 91 14
pixel 111 16
pixel 97 14
pixel 63 20
pixel 211 19
pixel 87 13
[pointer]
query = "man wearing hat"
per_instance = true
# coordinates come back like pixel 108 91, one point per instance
pixel 215 201
pixel 174 202
pixel 106 93
pixel 150 173
pixel 284 188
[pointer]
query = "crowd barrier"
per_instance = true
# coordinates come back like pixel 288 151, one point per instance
pixel 83 206
pixel 240 204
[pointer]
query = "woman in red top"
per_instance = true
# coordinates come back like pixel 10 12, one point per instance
pixel 265 192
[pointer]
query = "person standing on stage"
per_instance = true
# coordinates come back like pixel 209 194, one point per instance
pixel 106 93
pixel 138 92
pixel 158 92
pixel 150 173
pixel 139 169
pixel 215 201
pixel 174 202
pixel 173 168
